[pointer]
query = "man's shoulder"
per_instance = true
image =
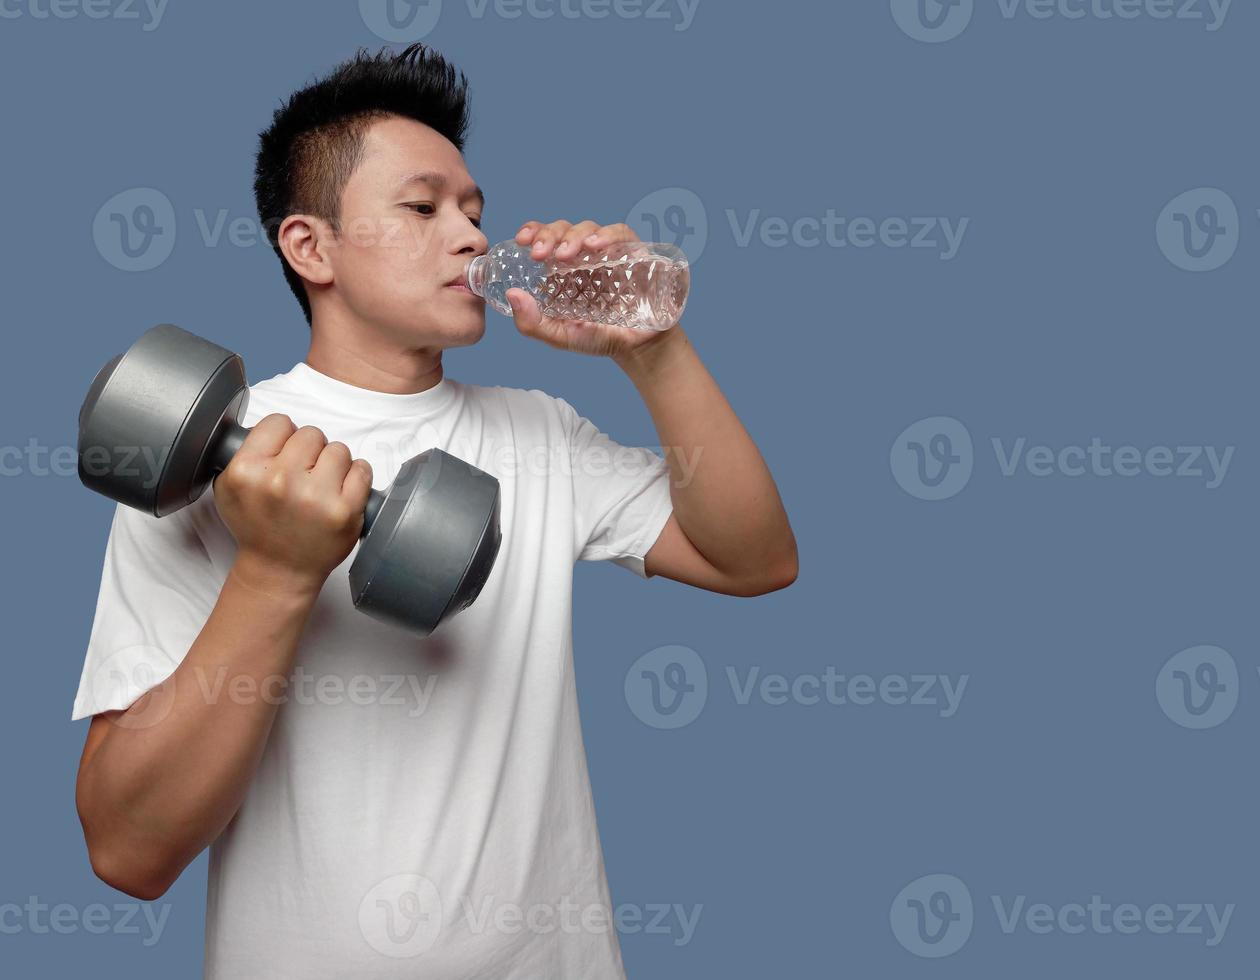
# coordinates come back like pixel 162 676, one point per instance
pixel 275 394
pixel 520 403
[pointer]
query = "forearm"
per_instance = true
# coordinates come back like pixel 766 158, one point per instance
pixel 171 771
pixel 725 499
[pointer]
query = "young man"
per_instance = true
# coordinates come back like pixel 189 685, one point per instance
pixel 377 804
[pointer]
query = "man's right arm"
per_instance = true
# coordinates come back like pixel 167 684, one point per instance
pixel 160 780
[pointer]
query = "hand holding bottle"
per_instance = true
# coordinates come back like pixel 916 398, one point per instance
pixel 637 290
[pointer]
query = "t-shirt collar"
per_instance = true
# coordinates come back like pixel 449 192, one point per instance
pixel 364 401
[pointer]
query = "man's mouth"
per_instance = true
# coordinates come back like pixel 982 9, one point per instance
pixel 460 282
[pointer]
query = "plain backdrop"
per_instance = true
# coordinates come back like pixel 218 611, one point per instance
pixel 1065 313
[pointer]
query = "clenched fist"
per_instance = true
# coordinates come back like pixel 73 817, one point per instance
pixel 294 502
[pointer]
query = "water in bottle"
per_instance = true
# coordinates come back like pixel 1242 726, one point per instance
pixel 630 284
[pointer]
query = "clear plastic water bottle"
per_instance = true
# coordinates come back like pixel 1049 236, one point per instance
pixel 630 284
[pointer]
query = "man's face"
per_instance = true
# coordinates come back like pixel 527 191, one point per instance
pixel 404 237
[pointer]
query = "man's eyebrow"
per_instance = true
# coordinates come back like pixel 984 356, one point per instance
pixel 435 179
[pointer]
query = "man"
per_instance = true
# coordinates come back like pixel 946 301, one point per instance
pixel 377 804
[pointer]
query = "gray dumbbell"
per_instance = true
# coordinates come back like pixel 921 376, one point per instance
pixel 161 420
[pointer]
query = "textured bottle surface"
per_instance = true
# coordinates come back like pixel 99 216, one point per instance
pixel 630 284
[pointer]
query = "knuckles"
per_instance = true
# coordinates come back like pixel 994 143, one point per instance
pixel 277 420
pixel 275 502
pixel 312 433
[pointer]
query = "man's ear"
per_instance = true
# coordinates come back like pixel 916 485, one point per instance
pixel 307 242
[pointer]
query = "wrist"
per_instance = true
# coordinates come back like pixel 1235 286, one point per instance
pixel 259 574
pixel 648 357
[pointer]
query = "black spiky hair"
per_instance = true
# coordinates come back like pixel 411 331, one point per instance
pixel 315 139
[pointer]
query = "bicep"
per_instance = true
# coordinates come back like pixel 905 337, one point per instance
pixel 97 730
pixel 673 556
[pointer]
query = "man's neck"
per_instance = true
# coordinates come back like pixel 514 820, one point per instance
pixel 373 362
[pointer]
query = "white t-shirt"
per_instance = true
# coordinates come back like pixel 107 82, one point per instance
pixel 422 807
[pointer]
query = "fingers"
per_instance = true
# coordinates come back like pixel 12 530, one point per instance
pixel 343 474
pixel 527 232
pixel 566 240
pixel 609 234
pixel 570 244
pixel 545 238
pixel 357 485
pixel 525 311
pixel 333 464
pixel 268 437
pixel 306 447
pixel 303 448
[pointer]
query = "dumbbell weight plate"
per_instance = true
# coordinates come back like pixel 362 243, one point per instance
pixel 150 415
pixel 432 545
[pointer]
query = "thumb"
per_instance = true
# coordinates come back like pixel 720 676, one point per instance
pixel 524 309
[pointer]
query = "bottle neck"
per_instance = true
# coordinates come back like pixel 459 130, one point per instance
pixel 476 276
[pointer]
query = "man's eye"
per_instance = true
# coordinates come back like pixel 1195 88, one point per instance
pixel 428 209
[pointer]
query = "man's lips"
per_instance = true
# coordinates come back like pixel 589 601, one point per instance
pixel 460 282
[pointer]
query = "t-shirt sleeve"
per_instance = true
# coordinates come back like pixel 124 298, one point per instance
pixel 621 495
pixel 158 587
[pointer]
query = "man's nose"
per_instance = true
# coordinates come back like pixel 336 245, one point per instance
pixel 474 243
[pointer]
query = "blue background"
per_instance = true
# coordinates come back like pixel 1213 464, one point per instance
pixel 1061 598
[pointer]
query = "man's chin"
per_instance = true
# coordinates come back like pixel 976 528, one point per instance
pixel 474 333
pixel 461 329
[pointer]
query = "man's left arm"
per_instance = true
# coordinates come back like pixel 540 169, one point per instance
pixel 729 531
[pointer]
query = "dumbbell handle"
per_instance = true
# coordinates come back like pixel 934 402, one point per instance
pixel 228 440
